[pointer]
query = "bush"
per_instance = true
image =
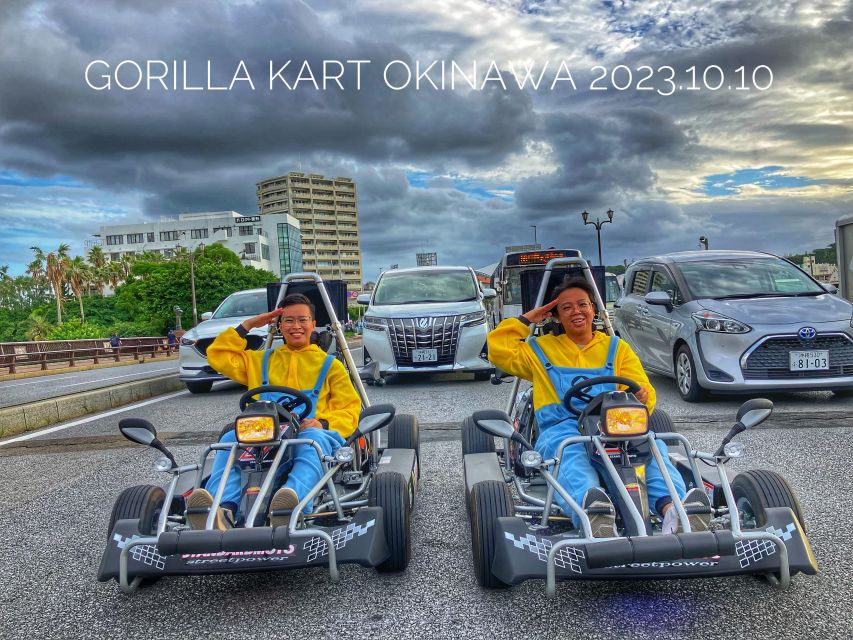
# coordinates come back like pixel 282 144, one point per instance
pixel 76 330
pixel 130 329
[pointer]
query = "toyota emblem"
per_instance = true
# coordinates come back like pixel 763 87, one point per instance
pixel 807 333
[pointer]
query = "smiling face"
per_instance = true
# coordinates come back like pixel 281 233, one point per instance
pixel 575 311
pixel 296 325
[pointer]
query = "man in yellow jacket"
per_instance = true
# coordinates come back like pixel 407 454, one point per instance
pixel 297 364
pixel 554 363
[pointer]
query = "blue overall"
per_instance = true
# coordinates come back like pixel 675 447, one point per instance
pixel 306 468
pixel 556 424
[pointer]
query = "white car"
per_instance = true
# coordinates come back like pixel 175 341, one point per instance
pixel 427 320
pixel 195 371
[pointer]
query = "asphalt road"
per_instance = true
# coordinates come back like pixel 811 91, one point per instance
pixel 24 390
pixel 54 526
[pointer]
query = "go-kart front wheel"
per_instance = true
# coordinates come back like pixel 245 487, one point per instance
pixel 757 490
pixel 489 501
pixel 143 502
pixel 474 440
pixel 391 492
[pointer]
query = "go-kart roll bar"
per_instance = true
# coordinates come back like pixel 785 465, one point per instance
pixel 540 300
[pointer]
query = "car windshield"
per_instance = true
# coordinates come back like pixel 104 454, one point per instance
pixel 242 304
pixel 425 286
pixel 747 278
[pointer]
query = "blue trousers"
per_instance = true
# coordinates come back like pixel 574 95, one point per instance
pixel 305 471
pixel 577 473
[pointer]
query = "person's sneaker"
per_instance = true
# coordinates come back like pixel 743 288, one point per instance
pixel 602 515
pixel 198 507
pixel 281 506
pixel 698 508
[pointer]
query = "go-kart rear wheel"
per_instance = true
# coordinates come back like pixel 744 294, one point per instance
pixel 660 422
pixel 143 502
pixel 489 501
pixel 474 440
pixel 391 492
pixel 759 489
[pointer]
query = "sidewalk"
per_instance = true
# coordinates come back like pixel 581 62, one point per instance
pixel 35 370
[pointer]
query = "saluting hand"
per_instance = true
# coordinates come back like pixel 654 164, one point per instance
pixel 540 313
pixel 262 319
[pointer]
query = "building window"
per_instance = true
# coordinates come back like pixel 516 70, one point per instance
pixel 150 236
pixel 249 248
pixel 247 231
pixel 198 234
pixel 289 249
pixel 168 253
pixel 265 252
pixel 115 257
pixel 135 238
pixel 112 240
pixel 166 236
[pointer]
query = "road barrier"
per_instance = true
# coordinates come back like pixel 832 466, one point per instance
pixel 43 352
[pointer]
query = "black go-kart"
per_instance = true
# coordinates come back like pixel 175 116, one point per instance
pixel 519 532
pixel 360 510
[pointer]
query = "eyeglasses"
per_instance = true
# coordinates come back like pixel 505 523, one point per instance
pixel 289 322
pixel 581 306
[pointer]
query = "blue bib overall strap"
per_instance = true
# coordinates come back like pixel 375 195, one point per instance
pixel 314 393
pixel 562 379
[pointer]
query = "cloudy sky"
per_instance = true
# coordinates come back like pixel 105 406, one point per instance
pixel 458 170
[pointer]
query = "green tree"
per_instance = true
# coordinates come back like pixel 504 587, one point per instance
pixel 55 267
pixel 78 275
pixel 38 328
pixel 98 261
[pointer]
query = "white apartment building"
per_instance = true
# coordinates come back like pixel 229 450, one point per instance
pixel 270 242
pixel 328 215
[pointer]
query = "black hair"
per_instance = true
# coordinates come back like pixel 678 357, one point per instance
pixel 570 282
pixel 297 298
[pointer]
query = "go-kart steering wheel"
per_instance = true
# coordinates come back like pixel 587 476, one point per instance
pixel 579 390
pixel 289 400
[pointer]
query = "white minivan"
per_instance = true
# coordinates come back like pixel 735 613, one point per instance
pixel 427 320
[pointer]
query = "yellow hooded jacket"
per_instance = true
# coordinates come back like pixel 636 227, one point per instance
pixel 508 351
pixel 339 404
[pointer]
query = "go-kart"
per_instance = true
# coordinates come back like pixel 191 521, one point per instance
pixel 757 524
pixel 358 512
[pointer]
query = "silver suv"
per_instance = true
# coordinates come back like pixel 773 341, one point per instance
pixel 427 319
pixel 735 321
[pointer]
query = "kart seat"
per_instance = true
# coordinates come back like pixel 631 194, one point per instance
pixel 323 339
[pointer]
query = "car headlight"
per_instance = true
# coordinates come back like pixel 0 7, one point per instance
pixel 473 319
pixel 374 323
pixel 188 342
pixel 257 428
pixel 718 323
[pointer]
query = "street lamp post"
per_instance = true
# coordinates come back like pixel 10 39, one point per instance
pixel 597 224
pixel 534 233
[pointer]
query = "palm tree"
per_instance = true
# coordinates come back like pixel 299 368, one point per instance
pixel 36 267
pixel 57 264
pixel 98 260
pixel 114 274
pixel 4 271
pixel 78 274
pixel 38 327
pixel 126 263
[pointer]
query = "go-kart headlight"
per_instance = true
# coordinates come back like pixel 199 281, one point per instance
pixel 625 421
pixel 251 429
pixel 344 455
pixel 531 459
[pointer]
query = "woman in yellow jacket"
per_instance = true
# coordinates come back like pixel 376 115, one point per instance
pixel 554 364
pixel 297 364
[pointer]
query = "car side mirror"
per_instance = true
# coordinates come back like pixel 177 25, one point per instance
pixel 489 293
pixel 829 288
pixel 660 298
pixel 371 419
pixel 498 424
pixel 207 315
pixel 363 298
pixel 753 412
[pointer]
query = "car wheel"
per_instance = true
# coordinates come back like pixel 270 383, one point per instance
pixel 757 490
pixel 490 500
pixel 200 387
pixel 482 376
pixel 685 377
pixel 475 440
pixel 390 491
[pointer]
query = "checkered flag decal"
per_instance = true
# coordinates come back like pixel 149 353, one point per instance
pixel 145 553
pixel 566 558
pixel 750 551
pixel 786 534
pixel 317 546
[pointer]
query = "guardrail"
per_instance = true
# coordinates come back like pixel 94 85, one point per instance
pixel 19 354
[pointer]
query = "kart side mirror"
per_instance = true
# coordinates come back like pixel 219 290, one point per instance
pixel 498 424
pixel 143 432
pixel 753 412
pixel 371 419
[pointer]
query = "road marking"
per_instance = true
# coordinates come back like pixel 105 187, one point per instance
pixel 93 381
pixel 98 416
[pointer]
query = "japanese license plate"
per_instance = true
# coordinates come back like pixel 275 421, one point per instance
pixel 809 360
pixel 424 355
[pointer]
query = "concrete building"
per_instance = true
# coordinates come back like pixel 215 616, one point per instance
pixel 821 271
pixel 266 242
pixel 328 215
